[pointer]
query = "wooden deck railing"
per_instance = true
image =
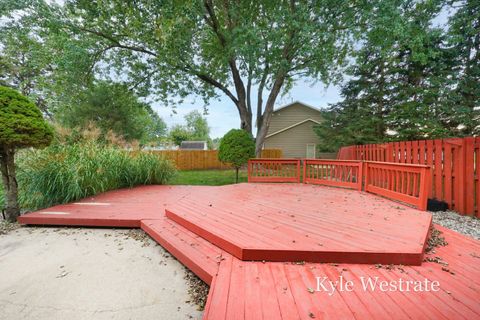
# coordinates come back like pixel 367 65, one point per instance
pixel 409 183
pixel 455 164
pixel 333 173
pixel 273 170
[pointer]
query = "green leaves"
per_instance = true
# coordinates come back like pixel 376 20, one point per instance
pixel 407 80
pixel 236 147
pixel 112 106
pixel 197 125
pixel 21 122
pixel 196 129
pixel 65 173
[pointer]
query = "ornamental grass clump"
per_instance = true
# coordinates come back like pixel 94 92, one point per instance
pixel 65 173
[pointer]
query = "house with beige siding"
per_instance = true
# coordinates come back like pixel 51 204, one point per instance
pixel 291 129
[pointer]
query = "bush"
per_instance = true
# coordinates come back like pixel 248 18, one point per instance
pixel 236 147
pixel 21 122
pixel 65 173
pixel 21 126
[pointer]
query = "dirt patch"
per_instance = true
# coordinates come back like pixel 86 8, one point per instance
pixel 436 240
pixel 6 227
pixel 198 290
pixel 138 235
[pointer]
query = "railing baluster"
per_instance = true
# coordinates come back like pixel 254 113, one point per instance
pixel 403 182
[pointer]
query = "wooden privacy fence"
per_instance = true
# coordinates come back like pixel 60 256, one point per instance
pixel 274 170
pixel 204 159
pixel 404 182
pixel 407 183
pixel 455 164
pixel 333 173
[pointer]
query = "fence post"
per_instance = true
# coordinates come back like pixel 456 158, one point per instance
pixel 458 146
pixel 470 175
pixel 460 177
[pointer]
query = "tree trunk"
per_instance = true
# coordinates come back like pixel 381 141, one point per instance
pixel 236 175
pixel 7 167
pixel 263 125
pixel 245 118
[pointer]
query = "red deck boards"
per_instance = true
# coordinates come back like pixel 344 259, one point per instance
pixel 276 290
pixel 119 208
pixel 291 222
pixel 200 256
pixel 283 290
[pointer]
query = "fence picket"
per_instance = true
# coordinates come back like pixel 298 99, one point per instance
pixel 477 175
pixel 455 163
pixel 203 159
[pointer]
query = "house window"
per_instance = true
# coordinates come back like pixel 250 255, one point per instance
pixel 311 150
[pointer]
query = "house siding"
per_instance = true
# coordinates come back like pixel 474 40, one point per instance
pixel 291 115
pixel 293 141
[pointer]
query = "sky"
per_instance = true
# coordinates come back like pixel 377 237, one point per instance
pixel 223 115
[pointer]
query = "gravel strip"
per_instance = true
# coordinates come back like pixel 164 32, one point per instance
pixel 466 225
pixel 6 227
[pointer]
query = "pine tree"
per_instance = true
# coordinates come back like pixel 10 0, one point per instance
pixel 402 82
pixel 464 42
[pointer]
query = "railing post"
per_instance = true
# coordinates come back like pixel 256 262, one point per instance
pixel 425 179
pixel 365 173
pixel 248 170
pixel 304 170
pixel 360 176
pixel 298 170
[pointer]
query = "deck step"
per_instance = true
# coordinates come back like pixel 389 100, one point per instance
pixel 257 233
pixel 196 253
pixel 277 290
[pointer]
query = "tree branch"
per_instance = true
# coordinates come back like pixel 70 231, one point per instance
pixel 212 20
pixel 116 43
pixel 260 94
pixel 208 79
pixel 249 90
pixel 187 68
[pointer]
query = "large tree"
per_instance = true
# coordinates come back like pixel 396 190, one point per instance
pixel 464 42
pixel 247 50
pixel 111 106
pixel 195 128
pixel 25 62
pixel 405 83
pixel 197 124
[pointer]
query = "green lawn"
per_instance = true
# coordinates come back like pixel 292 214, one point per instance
pixel 208 177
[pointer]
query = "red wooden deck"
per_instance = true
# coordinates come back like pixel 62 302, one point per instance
pixel 295 222
pixel 274 290
pixel 286 290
